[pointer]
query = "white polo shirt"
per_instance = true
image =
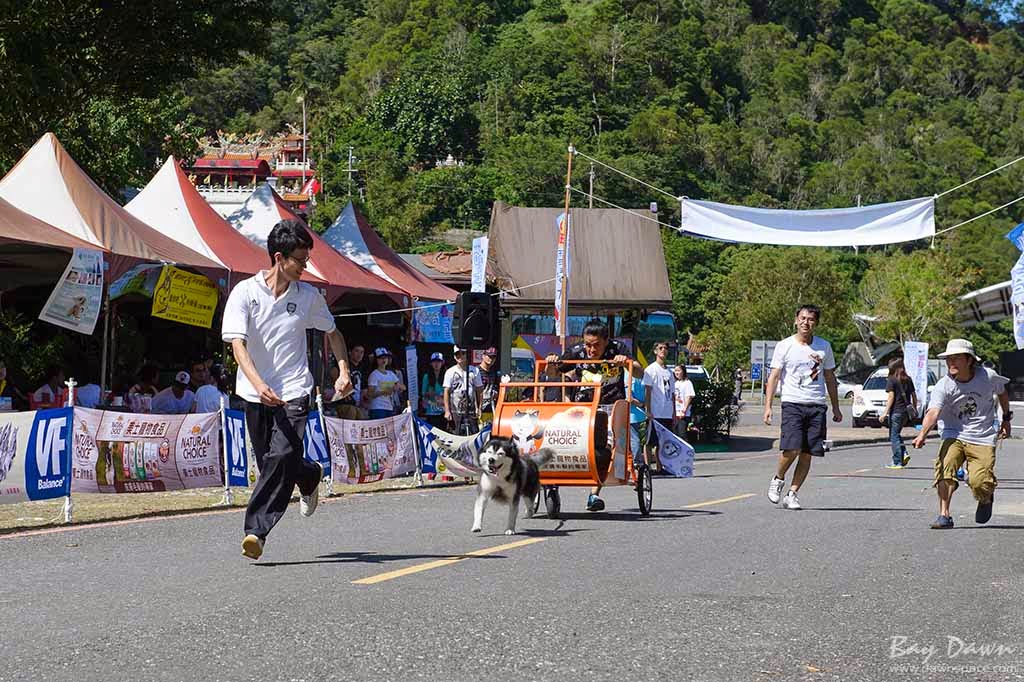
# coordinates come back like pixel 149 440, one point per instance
pixel 275 334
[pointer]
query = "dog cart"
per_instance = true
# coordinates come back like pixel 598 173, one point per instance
pixel 579 433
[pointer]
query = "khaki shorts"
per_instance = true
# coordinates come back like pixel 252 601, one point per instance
pixel 981 462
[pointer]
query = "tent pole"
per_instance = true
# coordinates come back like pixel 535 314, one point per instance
pixel 103 357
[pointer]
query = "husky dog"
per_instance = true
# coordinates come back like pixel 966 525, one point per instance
pixel 506 477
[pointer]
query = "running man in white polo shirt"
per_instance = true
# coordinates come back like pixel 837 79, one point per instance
pixel 265 321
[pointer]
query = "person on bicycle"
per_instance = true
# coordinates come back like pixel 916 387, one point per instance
pixel 609 356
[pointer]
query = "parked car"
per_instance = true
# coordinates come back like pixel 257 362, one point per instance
pixel 870 400
pixel 847 389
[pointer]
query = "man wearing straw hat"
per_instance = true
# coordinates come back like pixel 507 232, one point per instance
pixel 265 321
pixel 964 405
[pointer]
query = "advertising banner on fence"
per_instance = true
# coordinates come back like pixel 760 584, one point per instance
pixel 238 455
pixel 185 297
pixel 116 452
pixel 446 454
pixel 371 450
pixel 35 455
pixel 75 301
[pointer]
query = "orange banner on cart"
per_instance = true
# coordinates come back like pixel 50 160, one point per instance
pixel 566 430
pixel 116 452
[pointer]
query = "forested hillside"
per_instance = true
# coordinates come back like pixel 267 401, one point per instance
pixel 796 103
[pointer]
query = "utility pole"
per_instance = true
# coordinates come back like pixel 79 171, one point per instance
pixel 591 195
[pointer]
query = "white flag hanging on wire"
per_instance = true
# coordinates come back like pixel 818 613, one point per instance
pixel 891 223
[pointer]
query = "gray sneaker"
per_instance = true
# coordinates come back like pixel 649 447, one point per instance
pixel 775 489
pixel 308 503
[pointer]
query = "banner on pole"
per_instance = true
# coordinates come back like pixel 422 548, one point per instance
pixel 370 450
pixel 447 454
pixel 915 361
pixel 115 452
pixel 182 296
pixel 479 278
pixel 1016 236
pixel 432 323
pixel 235 442
pixel 674 453
pixel 75 302
pixel 563 269
pixel 35 455
pixel 412 383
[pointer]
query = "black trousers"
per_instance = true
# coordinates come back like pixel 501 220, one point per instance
pixel 276 434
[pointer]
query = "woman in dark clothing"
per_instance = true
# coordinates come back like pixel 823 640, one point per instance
pixel 10 392
pixel 902 399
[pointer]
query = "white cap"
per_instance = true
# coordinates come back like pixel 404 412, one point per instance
pixel 456 349
pixel 958 347
pixel 183 377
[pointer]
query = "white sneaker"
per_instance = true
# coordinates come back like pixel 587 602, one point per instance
pixel 790 501
pixel 775 490
pixel 308 503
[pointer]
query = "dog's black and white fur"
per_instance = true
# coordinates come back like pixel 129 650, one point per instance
pixel 507 477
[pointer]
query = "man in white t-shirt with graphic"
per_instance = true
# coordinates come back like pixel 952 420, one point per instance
pixel 964 404
pixel 805 366
pixel 265 321
pixel 659 403
pixel 461 405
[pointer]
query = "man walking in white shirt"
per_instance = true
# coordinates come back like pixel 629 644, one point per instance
pixel 805 366
pixel 265 321
pixel 659 403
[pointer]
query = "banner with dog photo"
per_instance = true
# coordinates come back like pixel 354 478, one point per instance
pixel 35 455
pixel 371 450
pixel 446 454
pixel 117 452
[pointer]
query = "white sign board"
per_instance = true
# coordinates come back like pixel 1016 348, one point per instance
pixel 479 265
pixel 761 352
pixel 411 376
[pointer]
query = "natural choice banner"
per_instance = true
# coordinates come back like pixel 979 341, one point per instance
pixel 115 452
pixel 371 450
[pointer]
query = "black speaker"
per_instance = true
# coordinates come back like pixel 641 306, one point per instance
pixel 475 320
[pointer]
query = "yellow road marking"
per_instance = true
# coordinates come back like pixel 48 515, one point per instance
pixel 409 570
pixel 724 499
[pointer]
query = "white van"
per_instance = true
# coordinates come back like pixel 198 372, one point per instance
pixel 870 399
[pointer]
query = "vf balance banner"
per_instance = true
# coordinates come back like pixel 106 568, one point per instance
pixel 35 455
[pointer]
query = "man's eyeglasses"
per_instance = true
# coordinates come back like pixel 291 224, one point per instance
pixel 301 261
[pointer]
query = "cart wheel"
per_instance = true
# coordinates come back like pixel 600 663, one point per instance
pixel 552 501
pixel 535 503
pixel 644 489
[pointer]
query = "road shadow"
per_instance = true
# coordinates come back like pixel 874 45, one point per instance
pixel 368 558
pixel 989 526
pixel 635 515
pixel 746 444
pixel 556 532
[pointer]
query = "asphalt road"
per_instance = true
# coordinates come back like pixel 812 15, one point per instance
pixel 717 584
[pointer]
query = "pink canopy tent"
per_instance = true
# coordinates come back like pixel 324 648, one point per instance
pixel 264 209
pixel 47 184
pixel 172 205
pixel 352 236
pixel 31 251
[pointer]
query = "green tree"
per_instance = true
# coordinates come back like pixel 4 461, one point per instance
pixel 914 296
pixel 758 296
